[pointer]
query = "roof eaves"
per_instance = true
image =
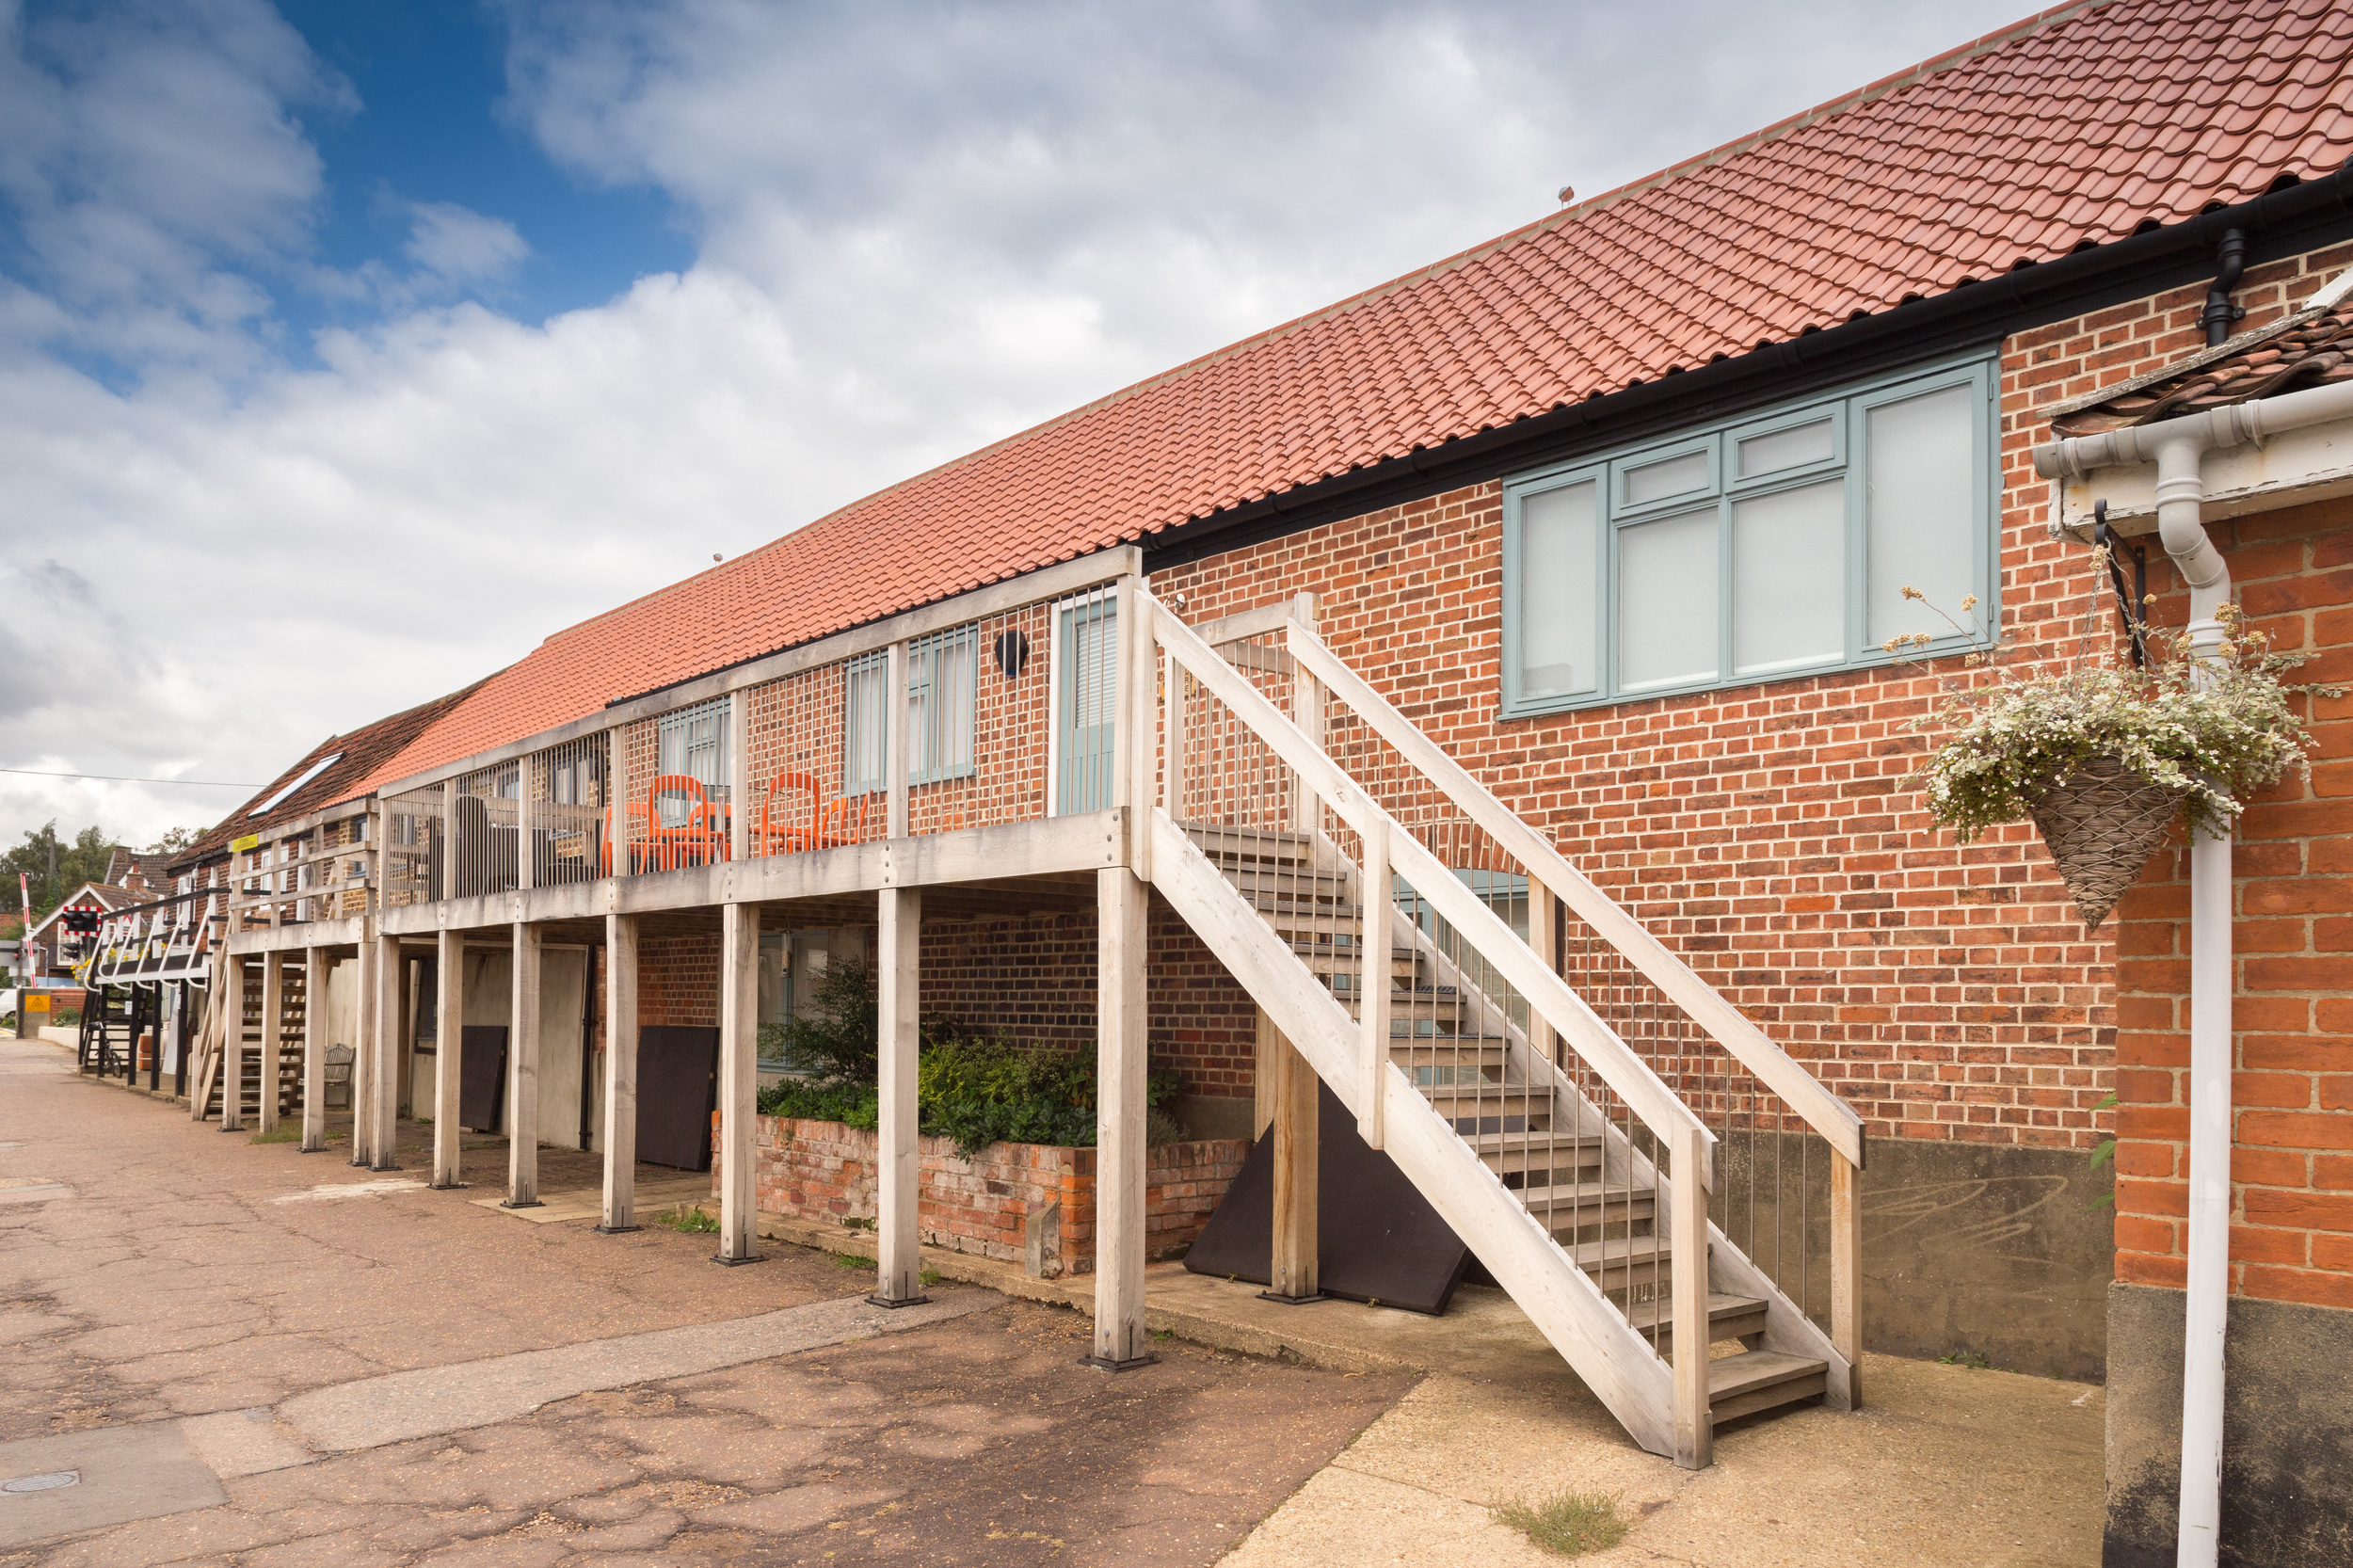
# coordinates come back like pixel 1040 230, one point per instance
pixel 2331 294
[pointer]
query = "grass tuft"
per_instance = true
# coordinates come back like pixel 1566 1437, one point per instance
pixel 691 1220
pixel 852 1260
pixel 281 1134
pixel 1569 1523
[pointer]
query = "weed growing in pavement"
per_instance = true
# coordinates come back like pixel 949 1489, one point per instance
pixel 851 1260
pixel 1974 1360
pixel 1567 1523
pixel 692 1220
pixel 927 1276
pixel 281 1134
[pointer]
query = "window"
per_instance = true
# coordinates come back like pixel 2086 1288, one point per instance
pixel 694 742
pixel 940 675
pixel 300 779
pixel 1776 544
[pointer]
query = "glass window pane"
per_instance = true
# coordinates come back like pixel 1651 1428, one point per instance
pixel 1771 453
pixel 1657 481
pixel 1666 607
pixel 864 715
pixel 1558 652
pixel 1789 577
pixel 1919 516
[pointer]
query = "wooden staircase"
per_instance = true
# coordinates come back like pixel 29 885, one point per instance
pixel 1458 1052
pixel 1487 1063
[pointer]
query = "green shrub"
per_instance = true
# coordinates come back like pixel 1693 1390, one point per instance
pixel 978 1090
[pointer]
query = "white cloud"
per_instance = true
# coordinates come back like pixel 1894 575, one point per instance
pixel 918 228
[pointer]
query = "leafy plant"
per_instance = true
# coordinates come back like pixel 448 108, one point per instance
pixel 1974 1360
pixel 978 1090
pixel 689 1219
pixel 2220 728
pixel 1568 1523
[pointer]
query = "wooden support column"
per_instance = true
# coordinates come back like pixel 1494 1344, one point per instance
pixel 391 1001
pixel 1694 1426
pixel 1292 1278
pixel 620 1074
pixel 1121 1058
pixel 738 776
pixel 315 964
pixel 899 1239
pixel 273 1011
pixel 739 1078
pixel 233 1048
pixel 1846 1270
pixel 362 1053
pixel 449 1057
pixel 522 1073
pixel 895 741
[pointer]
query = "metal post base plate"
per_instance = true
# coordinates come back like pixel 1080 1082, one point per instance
pixel 527 1203
pixel 905 1301
pixel 735 1262
pixel 450 1186
pixel 614 1230
pixel 1105 1363
pixel 1294 1301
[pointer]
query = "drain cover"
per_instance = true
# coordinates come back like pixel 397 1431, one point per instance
pixel 43 1483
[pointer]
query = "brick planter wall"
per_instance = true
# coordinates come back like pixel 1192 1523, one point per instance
pixel 1032 1203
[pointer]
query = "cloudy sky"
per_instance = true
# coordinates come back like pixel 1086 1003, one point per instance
pixel 348 348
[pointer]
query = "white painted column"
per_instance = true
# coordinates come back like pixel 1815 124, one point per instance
pixel 232 1049
pixel 449 1058
pixel 897 1175
pixel 391 997
pixel 315 967
pixel 620 1074
pixel 1121 1044
pixel 273 1013
pixel 739 1078
pixel 522 1073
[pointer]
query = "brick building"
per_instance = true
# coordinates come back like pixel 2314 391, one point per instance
pixel 1602 526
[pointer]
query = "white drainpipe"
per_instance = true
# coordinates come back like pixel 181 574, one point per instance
pixel 2176 446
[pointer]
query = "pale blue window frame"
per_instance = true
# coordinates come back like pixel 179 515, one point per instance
pixel 943 686
pixel 1658 482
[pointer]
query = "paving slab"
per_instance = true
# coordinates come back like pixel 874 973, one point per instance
pixel 118 1475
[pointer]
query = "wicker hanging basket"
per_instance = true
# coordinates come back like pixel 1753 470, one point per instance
pixel 2102 823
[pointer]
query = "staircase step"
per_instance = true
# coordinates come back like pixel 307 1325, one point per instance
pixel 1427 1065
pixel 1642 1264
pixel 1554 1161
pixel 1564 1209
pixel 1229 845
pixel 1325 959
pixel 1728 1318
pixel 1286 882
pixel 1761 1380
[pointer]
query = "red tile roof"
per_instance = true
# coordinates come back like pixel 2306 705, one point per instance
pixel 2074 127
pixel 2310 347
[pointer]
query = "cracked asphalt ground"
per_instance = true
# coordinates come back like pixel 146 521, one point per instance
pixel 175 1283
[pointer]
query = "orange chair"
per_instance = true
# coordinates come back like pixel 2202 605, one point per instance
pixel 699 838
pixel 772 837
pixel 615 835
pixel 834 826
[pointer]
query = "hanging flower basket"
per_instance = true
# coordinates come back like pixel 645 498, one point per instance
pixel 2100 823
pixel 2101 745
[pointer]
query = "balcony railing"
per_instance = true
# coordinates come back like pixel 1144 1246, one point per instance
pixel 951 724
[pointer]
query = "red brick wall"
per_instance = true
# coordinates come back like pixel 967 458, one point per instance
pixel 2292 1082
pixel 678 981
pixel 823 1170
pixel 1763 831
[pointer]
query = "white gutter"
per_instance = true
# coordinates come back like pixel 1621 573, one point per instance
pixel 2178 446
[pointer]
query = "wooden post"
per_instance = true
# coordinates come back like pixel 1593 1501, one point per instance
pixel 526 863
pixel 739 775
pixel 273 1010
pixel 1544 935
pixel 384 1083
pixel 1121 1060
pixel 899 1239
pixel 315 967
pixel 362 1053
pixel 1293 1275
pixel 1134 732
pixel 523 1074
pixel 617 799
pixel 232 1050
pixel 1265 1064
pixel 1372 999
pixel 448 889
pixel 739 1078
pixel 895 768
pixel 620 1074
pixel 1694 1427
pixel 1846 1270
pixel 449 1058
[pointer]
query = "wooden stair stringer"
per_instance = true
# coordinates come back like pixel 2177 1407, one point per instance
pixel 1566 1307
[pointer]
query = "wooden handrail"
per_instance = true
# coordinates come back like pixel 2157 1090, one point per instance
pixel 1823 1110
pixel 1661 1109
